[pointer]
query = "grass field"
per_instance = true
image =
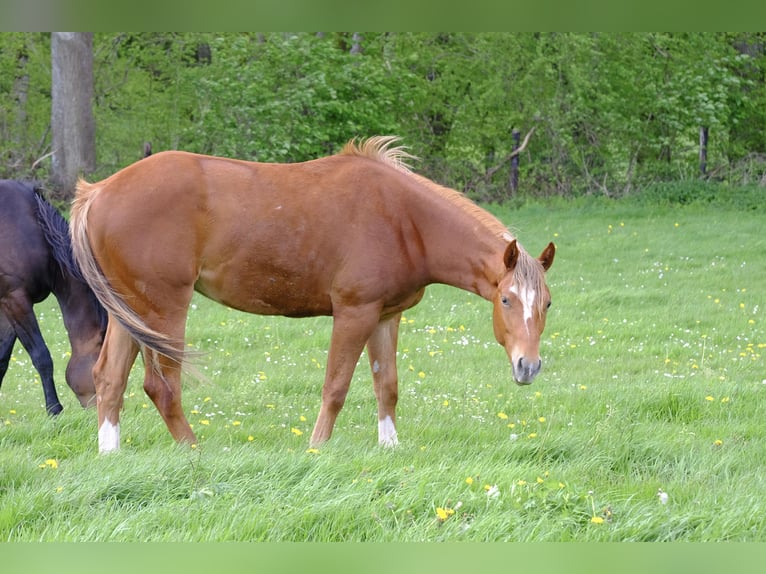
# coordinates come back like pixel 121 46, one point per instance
pixel 653 378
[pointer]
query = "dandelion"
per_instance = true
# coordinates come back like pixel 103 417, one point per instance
pixel 443 514
pixel 421 374
pixel 532 435
pixel 236 423
pixel 204 422
pixel 709 398
pixel 717 442
pixel 250 438
pixel 296 432
pixel 312 450
pixel 50 463
pixel 597 520
pixel 502 416
pixel 541 419
pixel 540 480
pixel 469 480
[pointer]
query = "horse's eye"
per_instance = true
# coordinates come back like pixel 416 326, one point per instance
pixel 504 300
pixel 548 306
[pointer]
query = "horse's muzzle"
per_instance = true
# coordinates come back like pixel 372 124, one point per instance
pixel 525 371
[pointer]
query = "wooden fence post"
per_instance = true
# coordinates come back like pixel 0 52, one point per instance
pixel 703 150
pixel 514 179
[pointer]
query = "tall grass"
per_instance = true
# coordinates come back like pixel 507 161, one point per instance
pixel 653 379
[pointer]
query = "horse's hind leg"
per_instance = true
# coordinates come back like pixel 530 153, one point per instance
pixel 381 349
pixel 162 382
pixel 20 313
pixel 110 376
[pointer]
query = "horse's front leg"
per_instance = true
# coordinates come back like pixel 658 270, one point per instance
pixel 350 330
pixel 381 349
pixel 110 376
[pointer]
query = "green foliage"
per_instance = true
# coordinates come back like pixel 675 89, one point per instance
pixel 613 112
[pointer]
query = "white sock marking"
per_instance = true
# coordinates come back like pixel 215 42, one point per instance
pixel 387 432
pixel 108 437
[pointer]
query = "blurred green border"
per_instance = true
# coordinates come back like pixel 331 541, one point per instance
pixel 381 558
pixel 377 15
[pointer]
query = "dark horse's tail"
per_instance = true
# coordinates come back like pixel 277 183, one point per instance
pixel 117 307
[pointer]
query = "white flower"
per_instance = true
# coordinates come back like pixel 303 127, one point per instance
pixel 662 495
pixel 493 491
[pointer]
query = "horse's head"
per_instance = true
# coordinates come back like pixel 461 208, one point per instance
pixel 86 336
pixel 520 308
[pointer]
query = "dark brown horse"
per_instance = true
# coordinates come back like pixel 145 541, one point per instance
pixel 35 261
pixel 356 235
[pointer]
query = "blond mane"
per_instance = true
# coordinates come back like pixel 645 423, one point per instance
pixel 528 269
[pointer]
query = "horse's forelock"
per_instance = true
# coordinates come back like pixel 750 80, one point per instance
pixel 529 273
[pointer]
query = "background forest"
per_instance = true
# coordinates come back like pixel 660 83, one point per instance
pixel 612 112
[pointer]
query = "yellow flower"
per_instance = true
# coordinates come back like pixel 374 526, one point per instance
pixel 250 438
pixel 532 435
pixel 296 432
pixel 236 423
pixel 444 513
pixel 718 442
pixel 50 463
pixel 312 450
pixel 204 422
pixel 597 520
pixel 502 415
pixel 469 480
pixel 709 398
pixel 541 419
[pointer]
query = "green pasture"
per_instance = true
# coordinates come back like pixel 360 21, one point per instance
pixel 653 378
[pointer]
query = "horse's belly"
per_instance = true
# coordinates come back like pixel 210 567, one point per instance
pixel 264 295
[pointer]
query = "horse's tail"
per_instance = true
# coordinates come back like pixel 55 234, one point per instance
pixel 110 299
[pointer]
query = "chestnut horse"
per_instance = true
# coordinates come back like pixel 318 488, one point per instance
pixel 356 235
pixel 35 261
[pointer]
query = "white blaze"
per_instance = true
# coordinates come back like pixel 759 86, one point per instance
pixel 527 298
pixel 108 437
pixel 387 432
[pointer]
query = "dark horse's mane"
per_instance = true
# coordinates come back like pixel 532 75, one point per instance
pixel 56 232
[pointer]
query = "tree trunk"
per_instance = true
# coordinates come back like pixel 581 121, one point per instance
pixel 72 126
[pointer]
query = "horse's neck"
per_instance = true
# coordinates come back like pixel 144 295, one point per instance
pixel 461 251
pixel 78 308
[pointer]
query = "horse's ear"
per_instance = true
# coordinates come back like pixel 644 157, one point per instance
pixel 511 255
pixel 546 257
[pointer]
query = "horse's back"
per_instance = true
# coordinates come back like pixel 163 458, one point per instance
pixel 261 237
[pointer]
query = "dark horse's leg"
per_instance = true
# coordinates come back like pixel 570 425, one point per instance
pixel 17 308
pixel 7 340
